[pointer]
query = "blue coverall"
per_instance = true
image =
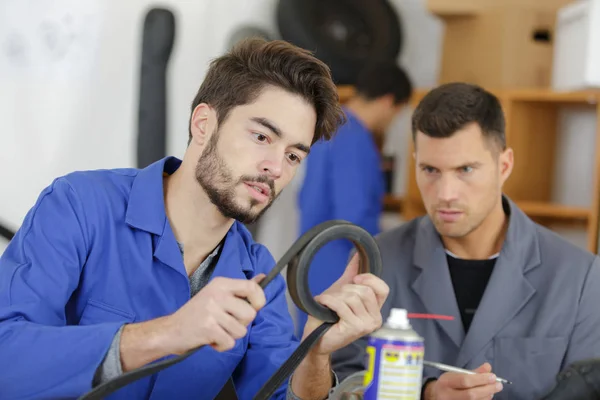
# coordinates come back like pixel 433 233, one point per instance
pixel 97 251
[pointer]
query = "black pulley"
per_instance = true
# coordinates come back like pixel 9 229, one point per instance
pixel 246 32
pixel 157 43
pixel 345 34
pixel 298 259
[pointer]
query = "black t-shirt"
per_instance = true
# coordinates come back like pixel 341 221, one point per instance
pixel 469 279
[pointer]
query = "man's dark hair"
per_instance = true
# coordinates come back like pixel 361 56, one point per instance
pixel 380 79
pixel 237 78
pixel 449 107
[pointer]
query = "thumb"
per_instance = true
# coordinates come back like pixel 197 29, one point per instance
pixel 350 272
pixel 484 368
pixel 258 278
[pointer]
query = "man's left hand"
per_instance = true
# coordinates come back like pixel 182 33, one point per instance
pixel 357 300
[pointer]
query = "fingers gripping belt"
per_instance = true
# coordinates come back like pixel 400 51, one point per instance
pixel 298 259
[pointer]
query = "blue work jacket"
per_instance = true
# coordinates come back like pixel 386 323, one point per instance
pixel 343 180
pixel 97 251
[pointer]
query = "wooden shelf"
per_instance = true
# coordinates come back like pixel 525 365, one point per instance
pixel 590 97
pixel 554 211
pixel 548 96
pixel 463 8
pixel 518 94
pixel 393 203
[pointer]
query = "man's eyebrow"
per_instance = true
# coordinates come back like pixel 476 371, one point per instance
pixel 302 147
pixel 474 164
pixel 423 165
pixel 277 132
pixel 268 124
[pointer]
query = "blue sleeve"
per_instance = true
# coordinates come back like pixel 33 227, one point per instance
pixel 352 168
pixel 271 338
pixel 39 271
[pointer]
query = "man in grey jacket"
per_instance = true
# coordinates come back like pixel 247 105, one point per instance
pixel 525 302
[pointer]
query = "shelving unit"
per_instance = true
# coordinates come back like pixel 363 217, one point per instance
pixel 531 130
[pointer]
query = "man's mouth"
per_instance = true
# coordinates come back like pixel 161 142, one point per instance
pixel 259 191
pixel 448 215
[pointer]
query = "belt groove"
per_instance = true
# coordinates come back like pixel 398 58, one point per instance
pixel 297 259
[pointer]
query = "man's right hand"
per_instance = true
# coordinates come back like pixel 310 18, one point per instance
pixel 457 386
pixel 216 316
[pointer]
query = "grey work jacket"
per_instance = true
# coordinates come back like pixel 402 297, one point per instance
pixel 539 313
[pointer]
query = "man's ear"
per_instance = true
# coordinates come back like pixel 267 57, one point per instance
pixel 199 123
pixel 388 101
pixel 506 161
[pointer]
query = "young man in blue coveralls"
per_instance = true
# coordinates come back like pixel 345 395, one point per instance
pixel 115 269
pixel 344 177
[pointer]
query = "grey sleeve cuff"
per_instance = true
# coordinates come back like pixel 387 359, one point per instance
pixel 291 396
pixel 111 366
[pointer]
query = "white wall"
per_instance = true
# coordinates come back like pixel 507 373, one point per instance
pixel 69 79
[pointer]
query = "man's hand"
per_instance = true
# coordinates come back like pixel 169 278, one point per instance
pixel 357 300
pixel 216 316
pixel 457 386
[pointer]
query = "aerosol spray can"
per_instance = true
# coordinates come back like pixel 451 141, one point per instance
pixel 394 364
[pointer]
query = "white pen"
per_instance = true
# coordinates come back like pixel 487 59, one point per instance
pixel 449 368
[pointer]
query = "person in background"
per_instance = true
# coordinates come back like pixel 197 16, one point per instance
pixel 115 269
pixel 524 301
pixel 344 177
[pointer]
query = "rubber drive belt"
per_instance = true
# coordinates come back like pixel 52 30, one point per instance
pixel 298 259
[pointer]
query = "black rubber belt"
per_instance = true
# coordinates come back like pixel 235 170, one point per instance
pixel 298 259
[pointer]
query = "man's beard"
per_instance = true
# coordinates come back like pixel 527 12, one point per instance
pixel 217 181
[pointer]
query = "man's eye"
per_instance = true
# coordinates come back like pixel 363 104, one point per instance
pixel 260 137
pixel 467 169
pixel 294 158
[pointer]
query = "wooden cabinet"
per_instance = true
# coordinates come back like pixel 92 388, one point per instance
pixel 531 130
pixel 467 8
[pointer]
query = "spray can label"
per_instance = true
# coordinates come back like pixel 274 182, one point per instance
pixel 394 369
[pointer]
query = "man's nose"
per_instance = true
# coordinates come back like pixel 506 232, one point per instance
pixel 447 188
pixel 272 166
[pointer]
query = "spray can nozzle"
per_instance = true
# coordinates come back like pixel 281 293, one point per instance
pixel 398 319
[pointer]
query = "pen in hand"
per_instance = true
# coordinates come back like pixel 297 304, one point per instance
pixel 449 368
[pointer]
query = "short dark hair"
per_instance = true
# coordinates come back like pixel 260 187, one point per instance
pixel 238 77
pixel 449 107
pixel 383 78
